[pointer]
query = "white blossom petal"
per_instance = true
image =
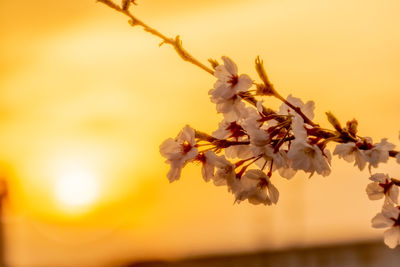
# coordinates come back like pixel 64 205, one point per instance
pixel 273 193
pixel 208 167
pixel 392 237
pixel 287 173
pixel 170 149
pixel 380 221
pixel 225 171
pixel 174 173
pixel 299 131
pixel 374 191
pixel 379 178
pixel 394 194
pixel 389 210
pixel 244 83
pixel 230 66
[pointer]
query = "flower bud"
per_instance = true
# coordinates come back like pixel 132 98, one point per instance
pixel 351 127
pixel 262 89
pixel 268 88
pixel 334 121
pixel 214 63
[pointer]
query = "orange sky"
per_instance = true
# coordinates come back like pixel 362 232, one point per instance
pixel 79 87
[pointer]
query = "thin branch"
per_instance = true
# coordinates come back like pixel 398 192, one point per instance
pixel 175 42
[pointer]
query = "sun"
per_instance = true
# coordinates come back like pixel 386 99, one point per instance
pixel 76 188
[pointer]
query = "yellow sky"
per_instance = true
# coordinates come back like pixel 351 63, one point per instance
pixel 79 87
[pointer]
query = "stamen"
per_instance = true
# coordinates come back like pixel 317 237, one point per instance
pixel 186 147
pixel 236 130
pixel 234 80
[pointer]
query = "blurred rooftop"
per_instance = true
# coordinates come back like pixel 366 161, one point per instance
pixel 371 254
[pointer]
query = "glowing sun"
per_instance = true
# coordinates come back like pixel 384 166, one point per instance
pixel 76 188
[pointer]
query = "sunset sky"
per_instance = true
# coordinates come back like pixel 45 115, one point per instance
pixel 86 100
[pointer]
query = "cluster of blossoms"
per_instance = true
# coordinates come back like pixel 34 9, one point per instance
pixel 252 142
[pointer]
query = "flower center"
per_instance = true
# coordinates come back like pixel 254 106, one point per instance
pixel 262 183
pixel 201 157
pixel 236 130
pixel 396 221
pixel 364 145
pixel 386 186
pixel 186 147
pixel 234 80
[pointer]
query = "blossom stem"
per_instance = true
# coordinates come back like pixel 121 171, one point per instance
pixel 244 168
pixel 199 145
pixel 222 143
pixel 265 164
pixel 240 162
pixel 395 181
pixel 270 168
pixel 219 143
pixel 281 141
pixel 254 160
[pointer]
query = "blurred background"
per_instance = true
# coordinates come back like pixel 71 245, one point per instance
pixel 85 101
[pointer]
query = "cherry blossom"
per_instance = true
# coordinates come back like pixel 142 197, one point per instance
pixel 309 158
pixel 225 171
pixel 379 153
pixel 382 186
pixel 389 218
pixel 260 145
pixel 229 83
pixel 226 88
pixel 179 151
pixel 256 187
pixel 350 152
